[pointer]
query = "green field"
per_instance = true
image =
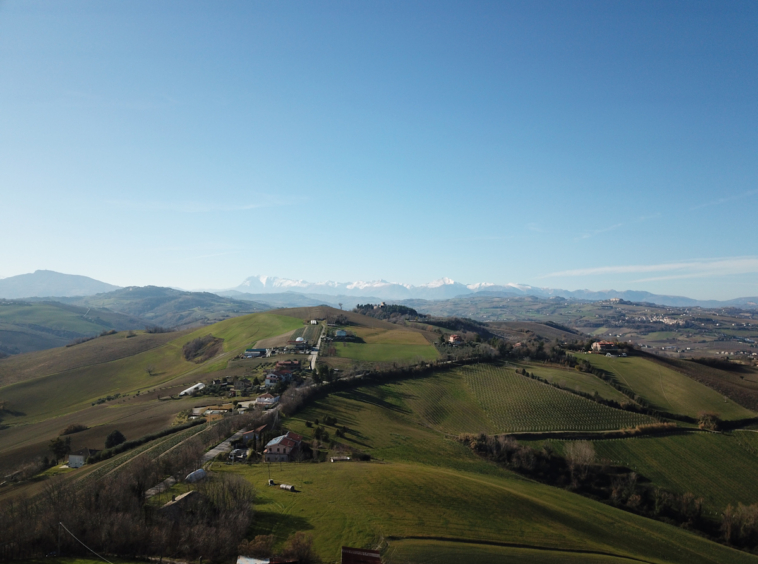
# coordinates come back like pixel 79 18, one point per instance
pixel 425 488
pixel 666 389
pixel 517 403
pixel 719 468
pixel 382 352
pixel 59 393
pixel 415 551
pixel 572 379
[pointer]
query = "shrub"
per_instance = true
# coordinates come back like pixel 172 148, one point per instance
pixel 115 438
pixel 74 428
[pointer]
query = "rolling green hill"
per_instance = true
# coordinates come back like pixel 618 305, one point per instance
pixel 168 307
pixel 43 392
pixel 666 389
pixel 27 326
pixel 426 492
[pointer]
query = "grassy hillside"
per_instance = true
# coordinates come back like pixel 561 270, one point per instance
pixel 667 389
pixel 43 403
pixel 32 326
pixel 383 352
pixel 427 488
pixel 572 379
pixel 62 392
pixel 169 307
pixel 719 468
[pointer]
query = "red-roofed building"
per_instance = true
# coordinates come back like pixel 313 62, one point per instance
pixel 282 448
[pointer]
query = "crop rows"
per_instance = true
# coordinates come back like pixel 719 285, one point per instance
pixel 446 403
pixel 517 403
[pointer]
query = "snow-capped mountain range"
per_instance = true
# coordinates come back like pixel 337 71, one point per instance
pixel 445 288
pixel 441 289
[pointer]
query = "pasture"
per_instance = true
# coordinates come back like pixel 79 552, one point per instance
pixel 376 335
pixel 666 389
pixel 382 352
pixel 427 486
pixel 719 468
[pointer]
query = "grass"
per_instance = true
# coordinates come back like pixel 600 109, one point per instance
pixel 419 551
pixel 517 403
pixel 570 378
pixel 428 488
pixel 72 390
pixel 666 389
pixel 382 352
pixel 377 335
pixel 719 468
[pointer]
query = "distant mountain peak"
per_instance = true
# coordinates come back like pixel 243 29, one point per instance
pixel 48 283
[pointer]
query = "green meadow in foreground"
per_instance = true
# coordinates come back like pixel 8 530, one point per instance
pixel 424 489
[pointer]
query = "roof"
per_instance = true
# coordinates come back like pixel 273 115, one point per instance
pixel 290 439
pixel 85 452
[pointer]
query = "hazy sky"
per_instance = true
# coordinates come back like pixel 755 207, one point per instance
pixel 564 144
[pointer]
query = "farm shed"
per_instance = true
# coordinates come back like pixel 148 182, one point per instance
pixel 192 389
pixel 195 476
pixel 79 458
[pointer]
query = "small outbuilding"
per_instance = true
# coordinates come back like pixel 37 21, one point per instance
pixel 196 476
pixel 192 389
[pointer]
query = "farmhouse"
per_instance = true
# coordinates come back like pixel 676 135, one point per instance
pixel 267 400
pixel 282 448
pixel 253 435
pixel 455 339
pixel 192 389
pixel 79 458
pixel 604 346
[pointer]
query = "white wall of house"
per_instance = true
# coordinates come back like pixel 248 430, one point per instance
pixel 75 461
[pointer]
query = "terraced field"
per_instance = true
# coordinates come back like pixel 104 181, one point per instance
pixel 667 389
pixel 517 403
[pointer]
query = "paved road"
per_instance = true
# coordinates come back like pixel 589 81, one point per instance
pixel 226 446
pixel 314 356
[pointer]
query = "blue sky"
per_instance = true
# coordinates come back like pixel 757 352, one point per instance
pixel 564 144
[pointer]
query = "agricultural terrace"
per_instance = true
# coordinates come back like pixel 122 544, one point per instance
pixel 516 403
pixel 666 389
pixel 430 486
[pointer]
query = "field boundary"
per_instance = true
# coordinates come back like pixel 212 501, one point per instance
pixel 520 545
